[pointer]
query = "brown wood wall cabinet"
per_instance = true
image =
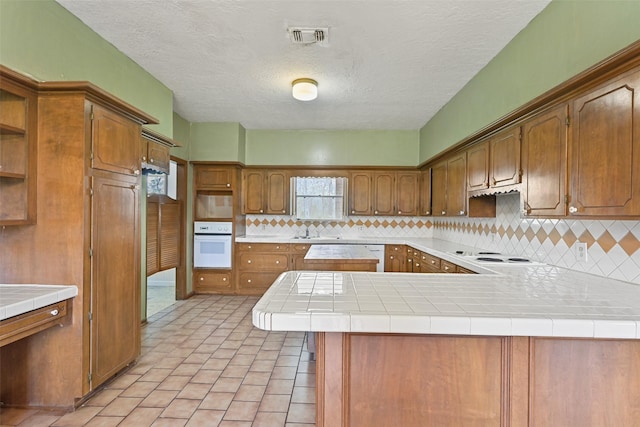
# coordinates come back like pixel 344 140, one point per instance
pixel 449 187
pixel 384 193
pixel 155 150
pixel 88 189
pixel 383 380
pixel 18 150
pixel 266 192
pixel 425 193
pixel 213 177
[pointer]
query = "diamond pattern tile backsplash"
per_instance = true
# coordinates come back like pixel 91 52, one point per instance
pixel 613 247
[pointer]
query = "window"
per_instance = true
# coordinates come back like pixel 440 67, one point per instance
pixel 319 198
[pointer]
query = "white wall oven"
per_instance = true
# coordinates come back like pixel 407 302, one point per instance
pixel 212 243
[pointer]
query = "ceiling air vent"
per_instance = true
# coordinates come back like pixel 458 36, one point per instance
pixel 309 35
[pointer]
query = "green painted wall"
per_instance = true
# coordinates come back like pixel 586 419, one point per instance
pixel 222 142
pixel 42 39
pixel 335 148
pixel 182 135
pixel 566 38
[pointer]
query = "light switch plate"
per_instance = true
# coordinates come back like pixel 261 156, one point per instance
pixel 581 251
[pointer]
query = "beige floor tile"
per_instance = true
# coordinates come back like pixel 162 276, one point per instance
pixel 305 380
pixel 159 398
pixel 241 411
pixel 169 422
pixel 217 400
pixel 268 354
pixel 41 418
pixel 174 382
pixel 226 423
pixel 206 376
pixel 188 369
pixel 120 407
pixel 194 391
pixel 254 341
pixel 284 373
pixel 104 421
pixel 227 384
pixel 263 365
pixel 205 418
pixel 123 381
pixel 231 344
pixel 141 417
pixel 280 387
pixel 242 359
pixel 307 367
pixel 139 389
pixel 199 358
pixel 275 403
pixel 216 364
pixel 270 419
pixel 180 408
pixel 257 378
pixel 103 397
pixel 206 348
pixel 287 361
pixel 250 393
pixel 156 375
pixel 301 413
pixel 224 353
pixel 170 362
pixel 79 417
pixel 303 395
pixel 235 371
pixel 290 351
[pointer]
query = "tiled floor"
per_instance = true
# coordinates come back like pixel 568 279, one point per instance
pixel 202 364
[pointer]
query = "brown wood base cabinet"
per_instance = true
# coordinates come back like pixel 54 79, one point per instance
pixel 370 380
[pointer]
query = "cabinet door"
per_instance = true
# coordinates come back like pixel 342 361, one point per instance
pixel 153 222
pixel 169 235
pixel 605 147
pixel 456 186
pixel 425 193
pixel 214 177
pixel 439 189
pixel 158 156
pixel 478 167
pixel 394 258
pixel 277 192
pixel 252 189
pixel 360 192
pixel 504 155
pixel 544 162
pixel 114 142
pixel 407 193
pixel 115 276
pixel 383 193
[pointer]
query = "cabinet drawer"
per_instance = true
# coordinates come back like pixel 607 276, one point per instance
pixel 463 270
pixel 256 282
pixel 431 261
pixel 15 328
pixel 205 282
pixel 448 267
pixel 262 261
pixel 300 248
pixel 263 247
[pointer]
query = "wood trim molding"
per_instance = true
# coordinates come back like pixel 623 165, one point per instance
pixel 159 138
pixel 619 62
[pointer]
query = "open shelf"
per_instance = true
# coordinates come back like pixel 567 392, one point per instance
pixel 6 129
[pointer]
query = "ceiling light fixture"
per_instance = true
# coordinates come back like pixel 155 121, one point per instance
pixel 305 89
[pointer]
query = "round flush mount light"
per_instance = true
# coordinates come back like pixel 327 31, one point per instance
pixel 305 89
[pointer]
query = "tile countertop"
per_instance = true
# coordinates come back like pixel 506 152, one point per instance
pixel 516 300
pixel 20 299
pixel 325 252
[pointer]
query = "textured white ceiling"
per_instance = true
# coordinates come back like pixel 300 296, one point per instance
pixel 389 64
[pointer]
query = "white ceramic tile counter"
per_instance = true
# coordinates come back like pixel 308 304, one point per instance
pixel 512 301
pixel 20 299
pixel 339 252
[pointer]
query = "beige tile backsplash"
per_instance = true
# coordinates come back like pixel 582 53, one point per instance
pixel 613 246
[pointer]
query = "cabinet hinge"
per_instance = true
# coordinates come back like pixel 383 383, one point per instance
pixel 566 199
pixel 90 252
pixel 91 191
pixel 90 315
pixel 567 120
pixel 89 377
pixel 91 113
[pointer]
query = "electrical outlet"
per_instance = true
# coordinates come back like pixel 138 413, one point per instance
pixel 581 251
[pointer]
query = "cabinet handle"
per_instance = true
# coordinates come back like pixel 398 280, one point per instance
pixel 144 158
pixel 433 261
pixel 201 279
pixel 54 312
pixel 461 212
pixel 494 182
pixel 353 212
pixel 573 209
pixel 375 212
pixel 424 257
pixel 228 185
pixel 249 246
pixel 283 211
pixel 417 264
pixel 446 268
pixel 224 279
pixel 277 247
pixel 277 262
pixel 391 257
pixel 249 281
pixel 136 172
pixel 399 212
pixel 261 211
pixel 444 212
pixel 249 261
pixel 427 212
pixel 151 160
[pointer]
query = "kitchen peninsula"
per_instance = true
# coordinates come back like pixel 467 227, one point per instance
pixel 340 258
pixel 536 345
